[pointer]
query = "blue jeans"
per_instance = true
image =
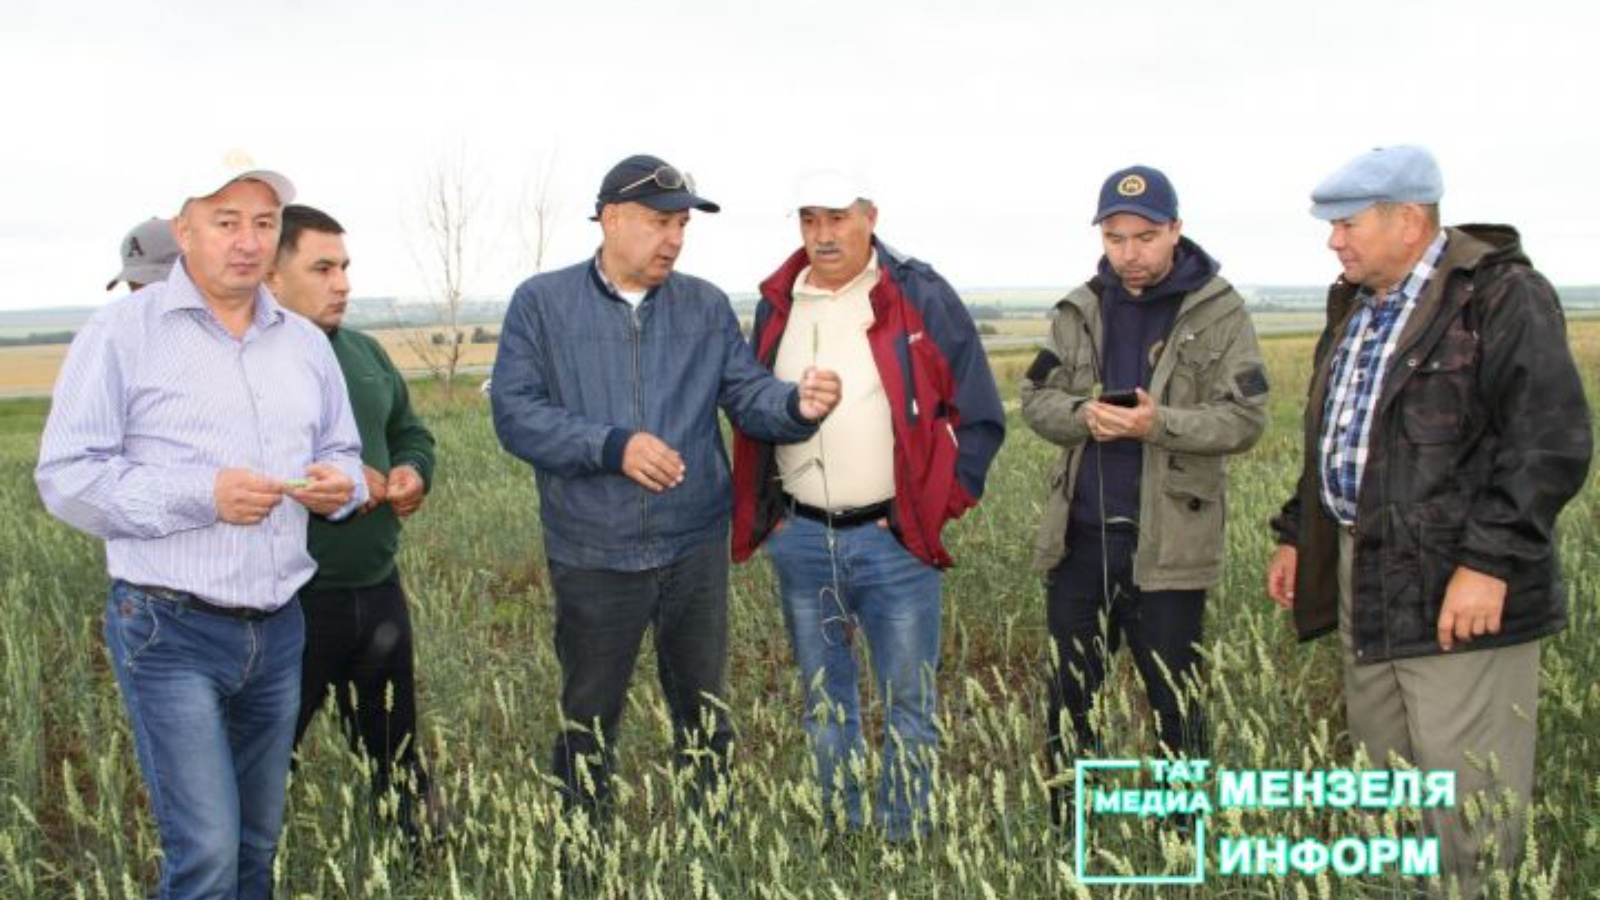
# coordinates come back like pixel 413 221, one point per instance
pixel 601 618
pixel 895 597
pixel 212 703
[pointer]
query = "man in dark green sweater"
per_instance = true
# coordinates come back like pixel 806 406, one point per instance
pixel 358 631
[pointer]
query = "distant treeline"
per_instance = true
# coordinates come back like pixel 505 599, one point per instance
pixel 37 338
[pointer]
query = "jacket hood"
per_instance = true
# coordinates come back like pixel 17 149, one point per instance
pixel 1470 247
pixel 1192 267
pixel 1503 244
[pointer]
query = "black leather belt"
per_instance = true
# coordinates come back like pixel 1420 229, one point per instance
pixel 245 613
pixel 841 518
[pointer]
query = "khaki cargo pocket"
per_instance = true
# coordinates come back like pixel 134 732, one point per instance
pixel 1192 513
pixel 1192 371
pixel 1050 544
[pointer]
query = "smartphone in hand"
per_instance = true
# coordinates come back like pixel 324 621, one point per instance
pixel 1119 398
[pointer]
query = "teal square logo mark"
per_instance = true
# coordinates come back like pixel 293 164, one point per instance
pixel 1080 836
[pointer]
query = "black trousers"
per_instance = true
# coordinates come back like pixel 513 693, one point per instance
pixel 359 648
pixel 601 619
pixel 1093 605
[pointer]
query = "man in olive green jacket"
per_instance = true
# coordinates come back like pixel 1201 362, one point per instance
pixel 1152 377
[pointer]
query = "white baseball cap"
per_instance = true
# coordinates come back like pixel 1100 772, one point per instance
pixel 828 189
pixel 230 166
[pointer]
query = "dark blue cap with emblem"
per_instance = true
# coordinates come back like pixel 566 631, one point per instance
pixel 1140 190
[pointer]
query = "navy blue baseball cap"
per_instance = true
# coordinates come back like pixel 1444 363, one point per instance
pixel 652 181
pixel 1140 190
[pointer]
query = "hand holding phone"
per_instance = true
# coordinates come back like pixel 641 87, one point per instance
pixel 1115 415
pixel 1126 399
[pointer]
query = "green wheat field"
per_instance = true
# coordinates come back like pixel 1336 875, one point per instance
pixel 72 815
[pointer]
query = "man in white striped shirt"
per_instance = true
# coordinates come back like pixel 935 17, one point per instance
pixel 195 426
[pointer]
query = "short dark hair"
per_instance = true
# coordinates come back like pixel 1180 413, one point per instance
pixel 298 218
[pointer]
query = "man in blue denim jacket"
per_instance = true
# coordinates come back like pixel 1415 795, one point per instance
pixel 607 382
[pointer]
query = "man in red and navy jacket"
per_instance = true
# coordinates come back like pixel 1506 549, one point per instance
pixel 852 518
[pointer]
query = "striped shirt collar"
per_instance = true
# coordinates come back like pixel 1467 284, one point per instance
pixel 181 293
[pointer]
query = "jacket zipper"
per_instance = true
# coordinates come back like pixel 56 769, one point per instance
pixel 638 414
pixel 1094 349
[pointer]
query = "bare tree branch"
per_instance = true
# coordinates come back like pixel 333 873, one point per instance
pixel 447 212
pixel 537 211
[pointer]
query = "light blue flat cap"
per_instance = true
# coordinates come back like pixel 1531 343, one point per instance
pixel 1403 174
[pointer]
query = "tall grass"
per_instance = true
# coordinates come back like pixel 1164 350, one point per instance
pixel 73 822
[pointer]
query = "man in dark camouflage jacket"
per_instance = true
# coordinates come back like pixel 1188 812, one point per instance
pixel 1445 429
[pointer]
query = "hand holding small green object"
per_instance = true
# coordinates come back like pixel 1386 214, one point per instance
pixel 243 497
pixel 820 389
pixel 324 489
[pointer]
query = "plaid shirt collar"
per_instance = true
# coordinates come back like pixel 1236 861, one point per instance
pixel 1409 287
pixel 1357 381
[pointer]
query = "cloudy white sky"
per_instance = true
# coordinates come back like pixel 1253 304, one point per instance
pixel 984 128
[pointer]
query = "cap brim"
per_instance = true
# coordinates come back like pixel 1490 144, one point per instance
pixel 1333 210
pixel 280 184
pixel 146 273
pixel 678 201
pixel 1143 212
pixel 825 201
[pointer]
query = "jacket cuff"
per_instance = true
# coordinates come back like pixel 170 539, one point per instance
pixel 794 409
pixel 1477 562
pixel 611 452
pixel 424 471
pixel 1161 430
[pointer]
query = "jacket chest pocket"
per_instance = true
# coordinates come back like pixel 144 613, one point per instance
pixel 1438 396
pixel 1194 367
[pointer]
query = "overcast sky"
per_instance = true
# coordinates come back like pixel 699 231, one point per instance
pixel 984 128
